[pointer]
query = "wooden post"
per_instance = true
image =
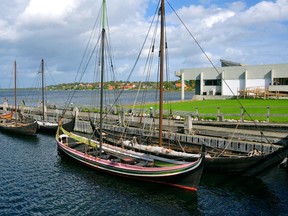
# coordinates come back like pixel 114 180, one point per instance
pixel 268 114
pixel 188 125
pixel 197 114
pixel 76 113
pixel 220 117
pixel 122 118
pixel 241 114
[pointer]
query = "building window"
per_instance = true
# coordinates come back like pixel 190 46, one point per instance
pixel 212 82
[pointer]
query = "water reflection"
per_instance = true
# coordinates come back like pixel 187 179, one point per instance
pixel 13 137
pixel 35 180
pixel 140 198
pixel 237 195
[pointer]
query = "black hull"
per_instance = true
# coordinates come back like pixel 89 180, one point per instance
pixel 29 129
pixel 138 166
pixel 235 165
pixel 69 126
pixel 187 181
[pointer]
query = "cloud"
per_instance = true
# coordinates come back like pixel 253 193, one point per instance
pixel 237 6
pixel 239 33
pixel 7 32
pixel 218 18
pixel 39 11
pixel 244 31
pixel 267 12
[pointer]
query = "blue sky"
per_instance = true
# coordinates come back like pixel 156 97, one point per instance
pixel 249 32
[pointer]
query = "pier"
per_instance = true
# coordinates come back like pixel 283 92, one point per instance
pixel 221 135
pixel 234 136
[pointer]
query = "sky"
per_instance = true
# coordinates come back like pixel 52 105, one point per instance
pixel 249 32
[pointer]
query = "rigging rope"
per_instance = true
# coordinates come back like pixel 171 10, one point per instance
pixel 207 57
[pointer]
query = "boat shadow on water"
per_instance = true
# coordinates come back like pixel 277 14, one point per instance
pixel 161 198
pixel 22 138
pixel 258 197
pixel 247 184
pixel 217 193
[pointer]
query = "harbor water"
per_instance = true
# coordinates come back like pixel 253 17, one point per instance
pixel 85 98
pixel 36 180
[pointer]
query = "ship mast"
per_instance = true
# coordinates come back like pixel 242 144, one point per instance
pixel 161 84
pixel 102 71
pixel 42 70
pixel 15 95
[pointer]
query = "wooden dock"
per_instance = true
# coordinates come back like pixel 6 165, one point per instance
pixel 214 134
pixel 220 135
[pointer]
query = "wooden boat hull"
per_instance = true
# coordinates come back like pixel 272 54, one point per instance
pixel 247 166
pixel 186 176
pixel 6 116
pixel 48 127
pixel 234 165
pixel 19 128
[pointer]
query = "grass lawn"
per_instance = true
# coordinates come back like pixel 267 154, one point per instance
pixel 256 108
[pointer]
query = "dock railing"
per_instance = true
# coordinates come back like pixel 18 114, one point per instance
pixel 264 114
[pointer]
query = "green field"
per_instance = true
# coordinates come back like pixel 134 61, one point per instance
pixel 254 109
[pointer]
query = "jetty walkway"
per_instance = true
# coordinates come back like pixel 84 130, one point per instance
pixel 234 136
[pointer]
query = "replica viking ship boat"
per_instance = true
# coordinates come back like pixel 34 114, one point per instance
pixel 45 124
pixel 19 124
pixel 165 144
pixel 126 163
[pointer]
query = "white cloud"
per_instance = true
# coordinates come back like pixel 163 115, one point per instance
pixel 237 6
pixel 220 17
pixel 48 10
pixel 267 12
pixel 7 32
pixel 57 30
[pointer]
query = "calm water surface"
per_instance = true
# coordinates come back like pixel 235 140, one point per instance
pixel 36 180
pixel 84 98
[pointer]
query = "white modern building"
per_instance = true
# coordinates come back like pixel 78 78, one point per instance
pixel 232 78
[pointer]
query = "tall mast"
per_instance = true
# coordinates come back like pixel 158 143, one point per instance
pixel 162 42
pixel 102 71
pixel 15 95
pixel 42 70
